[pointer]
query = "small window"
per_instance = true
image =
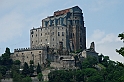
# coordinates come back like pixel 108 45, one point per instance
pixel 27 56
pixel 32 35
pixel 36 40
pixel 53 45
pixel 36 35
pixel 62 33
pixel 17 55
pixel 32 32
pixel 41 29
pixel 53 33
pixel 31 52
pixel 62 27
pixel 46 39
pixel 41 40
pixel 58 33
pixel 73 34
pixel 53 39
pixel 41 34
pixel 58 27
pixel 32 42
pixel 62 39
pixel 39 51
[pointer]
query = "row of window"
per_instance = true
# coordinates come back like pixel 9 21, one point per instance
pixel 52 34
pixel 48 28
pixel 46 40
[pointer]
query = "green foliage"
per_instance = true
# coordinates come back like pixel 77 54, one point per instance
pixel 31 62
pixel 3 70
pixel 121 36
pixel 89 62
pixel 104 71
pixel 121 50
pixel 27 79
pixel 38 68
pixel 17 62
pixel 25 70
pixel 40 76
pixel 60 75
pixel 0 77
pixel 17 77
pixel 31 70
pixel 96 78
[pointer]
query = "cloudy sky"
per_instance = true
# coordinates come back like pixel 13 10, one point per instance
pixel 104 20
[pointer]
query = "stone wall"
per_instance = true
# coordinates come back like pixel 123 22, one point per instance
pixel 38 55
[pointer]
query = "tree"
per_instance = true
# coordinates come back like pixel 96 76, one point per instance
pixel 25 70
pixel 89 62
pixel 27 79
pixel 31 62
pixel 17 62
pixel 38 68
pixel 121 50
pixel 96 78
pixel 3 70
pixel 0 77
pixel 31 70
pixel 16 77
pixel 40 76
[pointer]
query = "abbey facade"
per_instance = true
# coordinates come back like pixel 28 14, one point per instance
pixel 64 31
pixel 66 26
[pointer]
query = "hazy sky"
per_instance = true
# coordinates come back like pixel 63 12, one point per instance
pixel 104 20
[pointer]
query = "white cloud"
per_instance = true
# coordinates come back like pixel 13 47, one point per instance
pixel 106 44
pixel 97 34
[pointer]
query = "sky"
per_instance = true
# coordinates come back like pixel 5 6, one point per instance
pixel 104 20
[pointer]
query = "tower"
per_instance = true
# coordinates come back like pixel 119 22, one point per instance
pixel 66 26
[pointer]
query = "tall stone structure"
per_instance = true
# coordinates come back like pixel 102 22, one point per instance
pixel 66 26
pixel 64 30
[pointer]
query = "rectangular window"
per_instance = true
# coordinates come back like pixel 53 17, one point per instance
pixel 46 39
pixel 58 33
pixel 53 33
pixel 62 33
